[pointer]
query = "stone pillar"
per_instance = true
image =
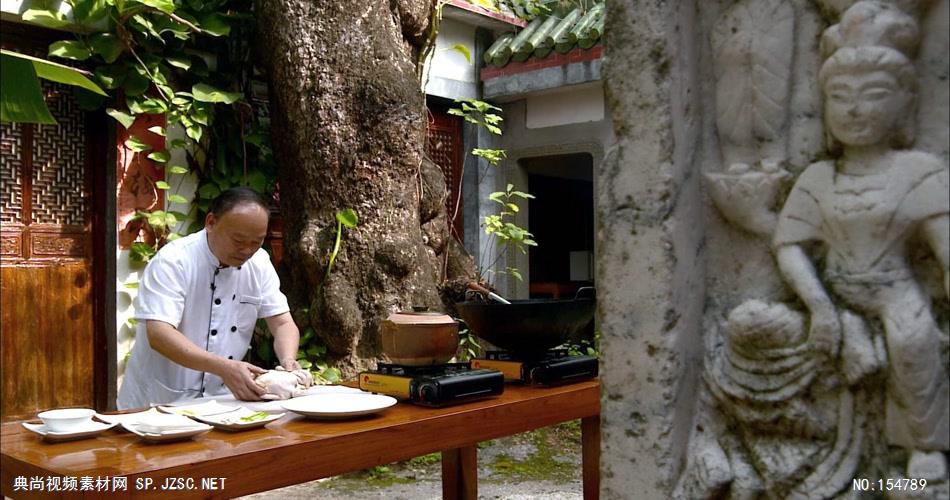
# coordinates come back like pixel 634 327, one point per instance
pixel 651 262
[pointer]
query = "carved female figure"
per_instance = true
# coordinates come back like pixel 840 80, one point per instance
pixel 864 209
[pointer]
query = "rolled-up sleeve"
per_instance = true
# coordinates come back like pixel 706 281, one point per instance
pixel 162 291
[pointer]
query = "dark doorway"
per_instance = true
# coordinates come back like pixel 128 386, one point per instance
pixel 561 217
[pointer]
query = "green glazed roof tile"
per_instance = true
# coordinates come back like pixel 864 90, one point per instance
pixel 543 35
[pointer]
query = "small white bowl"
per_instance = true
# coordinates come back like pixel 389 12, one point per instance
pixel 66 419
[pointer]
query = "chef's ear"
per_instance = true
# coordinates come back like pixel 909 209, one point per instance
pixel 210 220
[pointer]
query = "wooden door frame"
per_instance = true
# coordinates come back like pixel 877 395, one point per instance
pixel 100 184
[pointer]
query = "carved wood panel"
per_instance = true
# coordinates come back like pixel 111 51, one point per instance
pixel 11 172
pixel 444 146
pixel 51 253
pixel 59 151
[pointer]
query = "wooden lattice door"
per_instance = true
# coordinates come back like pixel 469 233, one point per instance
pixel 51 180
pixel 444 147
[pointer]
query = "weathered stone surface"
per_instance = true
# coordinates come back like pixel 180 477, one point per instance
pixel 810 287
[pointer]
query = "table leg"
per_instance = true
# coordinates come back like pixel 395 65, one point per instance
pixel 460 473
pixel 590 456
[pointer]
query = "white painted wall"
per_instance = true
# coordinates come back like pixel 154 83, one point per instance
pixel 448 73
pixel 577 104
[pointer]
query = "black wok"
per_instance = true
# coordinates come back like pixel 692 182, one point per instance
pixel 528 327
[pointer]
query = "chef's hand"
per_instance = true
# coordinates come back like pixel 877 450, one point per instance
pixel 290 364
pixel 239 377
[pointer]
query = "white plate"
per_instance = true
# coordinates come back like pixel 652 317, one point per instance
pixel 340 405
pixel 167 435
pixel 86 430
pixel 231 421
pixel 124 418
pixel 198 410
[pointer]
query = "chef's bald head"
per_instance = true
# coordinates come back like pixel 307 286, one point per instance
pixel 235 197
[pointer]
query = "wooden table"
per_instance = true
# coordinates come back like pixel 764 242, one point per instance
pixel 294 450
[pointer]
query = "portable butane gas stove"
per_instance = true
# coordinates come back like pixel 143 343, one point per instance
pixel 437 385
pixel 552 367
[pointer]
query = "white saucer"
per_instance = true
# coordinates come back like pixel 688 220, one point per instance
pixel 339 405
pixel 232 421
pixel 87 430
pixel 197 409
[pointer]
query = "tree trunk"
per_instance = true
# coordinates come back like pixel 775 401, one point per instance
pixel 348 126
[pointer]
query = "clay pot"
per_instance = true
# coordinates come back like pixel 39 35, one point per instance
pixel 419 338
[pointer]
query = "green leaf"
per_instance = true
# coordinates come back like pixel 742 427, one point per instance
pixel 209 191
pixel 206 93
pixel 332 374
pixel 178 143
pixel 201 112
pixel 156 219
pixel 137 145
pixel 45 18
pixel 88 101
pixel 132 286
pixel 194 132
pixel 135 84
pixel 347 217
pixel 56 72
pixel 214 24
pixel 87 12
pixel 257 180
pixel 179 62
pixel 22 97
pixel 162 184
pixel 111 77
pixel 158 130
pixel 141 252
pixel 146 25
pixel 159 156
pixel 70 49
pixel 464 51
pixel 166 6
pixel 177 170
pixel 124 118
pixel 177 198
pixel 106 45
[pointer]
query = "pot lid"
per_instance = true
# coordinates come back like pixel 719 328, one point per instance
pixel 420 316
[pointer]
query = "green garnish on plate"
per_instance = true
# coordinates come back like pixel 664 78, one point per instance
pixel 254 417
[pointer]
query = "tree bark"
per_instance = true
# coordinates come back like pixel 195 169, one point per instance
pixel 348 125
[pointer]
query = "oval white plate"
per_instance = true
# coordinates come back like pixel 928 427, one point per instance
pixel 339 405
pixel 231 421
pixel 89 429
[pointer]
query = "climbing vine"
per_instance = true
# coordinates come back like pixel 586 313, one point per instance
pixel 188 61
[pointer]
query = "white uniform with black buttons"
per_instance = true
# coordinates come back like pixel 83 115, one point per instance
pixel 213 306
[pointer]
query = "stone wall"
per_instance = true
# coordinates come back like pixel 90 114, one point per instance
pixel 763 329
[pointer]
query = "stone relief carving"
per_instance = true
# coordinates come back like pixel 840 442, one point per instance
pixel 753 61
pixel 787 394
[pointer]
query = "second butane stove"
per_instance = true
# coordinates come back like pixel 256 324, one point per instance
pixel 438 385
pixel 553 367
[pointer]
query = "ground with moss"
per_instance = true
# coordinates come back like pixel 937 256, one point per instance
pixel 545 463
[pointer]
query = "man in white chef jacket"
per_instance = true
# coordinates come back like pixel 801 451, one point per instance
pixel 199 299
